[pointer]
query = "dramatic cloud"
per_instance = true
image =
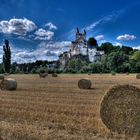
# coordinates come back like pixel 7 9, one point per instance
pixel 17 26
pixel 45 51
pixel 42 34
pixel 99 37
pixel 51 26
pixel 126 37
pixel 56 46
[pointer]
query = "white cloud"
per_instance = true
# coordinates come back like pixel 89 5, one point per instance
pixel 102 41
pixel 93 25
pixel 56 46
pixel 42 34
pixel 99 37
pixel 118 44
pixel 17 26
pixel 126 37
pixel 51 26
pixel 106 19
pixel 45 51
pixel 137 47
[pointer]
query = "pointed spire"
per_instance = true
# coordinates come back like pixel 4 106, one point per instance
pixel 85 32
pixel 77 30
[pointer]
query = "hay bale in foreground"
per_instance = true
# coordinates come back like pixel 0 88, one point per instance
pixel 138 76
pixel 8 84
pixel 84 84
pixel 120 109
pixel 54 75
pixel 43 75
pixel 1 76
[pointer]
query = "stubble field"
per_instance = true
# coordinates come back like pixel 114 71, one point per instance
pixel 54 108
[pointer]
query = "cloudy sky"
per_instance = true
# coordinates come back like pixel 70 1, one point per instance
pixel 42 29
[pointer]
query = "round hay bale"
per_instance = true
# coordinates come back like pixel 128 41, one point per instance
pixel 6 74
pixel 127 73
pixel 84 84
pixel 54 75
pixel 113 73
pixel 8 84
pixel 43 75
pixel 1 76
pixel 120 109
pixel 138 76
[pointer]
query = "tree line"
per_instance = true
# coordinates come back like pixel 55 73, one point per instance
pixel 116 59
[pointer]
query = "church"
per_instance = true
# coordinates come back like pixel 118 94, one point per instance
pixel 81 49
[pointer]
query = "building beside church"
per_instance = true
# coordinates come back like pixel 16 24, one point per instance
pixel 81 49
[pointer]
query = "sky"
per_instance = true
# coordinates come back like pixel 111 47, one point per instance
pixel 43 29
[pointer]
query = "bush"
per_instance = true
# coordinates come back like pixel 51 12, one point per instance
pixel 96 67
pixel 42 70
pixel 85 69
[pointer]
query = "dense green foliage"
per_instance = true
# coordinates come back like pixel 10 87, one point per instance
pixel 116 59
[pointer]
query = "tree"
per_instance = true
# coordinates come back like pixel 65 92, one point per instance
pixel 1 69
pixel 108 47
pixel 135 62
pixel 135 56
pixel 75 65
pixel 96 67
pixel 115 61
pixel 13 68
pixel 92 42
pixel 6 57
pixel 85 69
pixel 127 50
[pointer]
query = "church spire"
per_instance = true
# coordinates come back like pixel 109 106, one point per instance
pixel 77 30
pixel 85 32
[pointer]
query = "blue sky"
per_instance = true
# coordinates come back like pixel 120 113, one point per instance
pixel 42 29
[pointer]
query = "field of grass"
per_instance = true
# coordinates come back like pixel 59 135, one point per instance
pixel 56 109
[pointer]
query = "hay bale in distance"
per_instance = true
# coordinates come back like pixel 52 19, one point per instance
pixel 54 75
pixel 138 76
pixel 43 75
pixel 8 84
pixel 6 74
pixel 1 76
pixel 120 109
pixel 84 84
pixel 113 73
pixel 127 73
